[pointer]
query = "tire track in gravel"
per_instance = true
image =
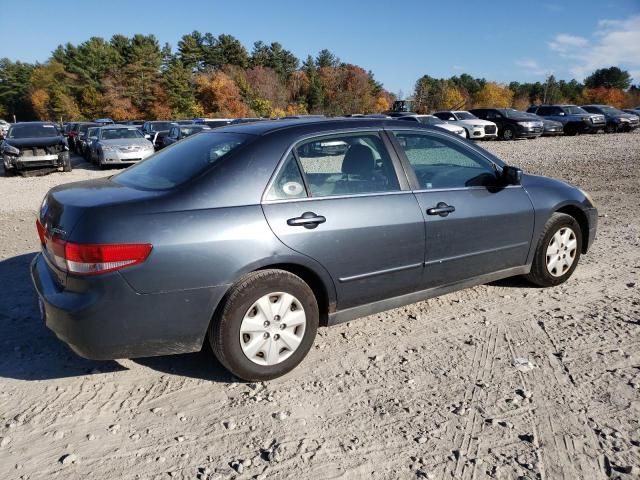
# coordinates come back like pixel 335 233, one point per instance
pixel 574 447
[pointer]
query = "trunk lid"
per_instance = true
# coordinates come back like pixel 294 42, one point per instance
pixel 64 206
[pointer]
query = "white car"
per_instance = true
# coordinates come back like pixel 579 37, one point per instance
pixel 4 128
pixel 435 121
pixel 474 126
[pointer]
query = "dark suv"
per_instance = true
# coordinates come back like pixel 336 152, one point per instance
pixel 511 123
pixel 575 119
pixel 617 120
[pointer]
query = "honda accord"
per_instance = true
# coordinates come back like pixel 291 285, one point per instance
pixel 246 238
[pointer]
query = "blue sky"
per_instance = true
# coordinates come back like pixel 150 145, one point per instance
pixel 399 41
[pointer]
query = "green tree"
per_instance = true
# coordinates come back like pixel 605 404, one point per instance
pixel 612 77
pixel 177 84
pixel 15 85
pixel 326 59
pixel 190 50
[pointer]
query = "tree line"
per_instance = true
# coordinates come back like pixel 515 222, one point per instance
pixel 216 76
pixel 611 86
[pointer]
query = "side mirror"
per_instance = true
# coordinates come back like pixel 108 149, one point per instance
pixel 511 175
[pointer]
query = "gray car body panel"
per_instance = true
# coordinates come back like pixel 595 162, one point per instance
pixel 374 252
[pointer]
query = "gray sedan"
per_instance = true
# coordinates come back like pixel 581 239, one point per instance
pixel 246 238
pixel 119 145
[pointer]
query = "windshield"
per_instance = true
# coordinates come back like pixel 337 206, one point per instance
pixel 186 131
pixel 182 162
pixel 513 113
pixel 117 133
pixel 216 123
pixel 465 116
pixel 158 127
pixel 573 110
pixel 429 120
pixel 32 131
pixel 611 111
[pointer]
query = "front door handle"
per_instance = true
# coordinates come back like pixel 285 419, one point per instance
pixel 441 209
pixel 307 220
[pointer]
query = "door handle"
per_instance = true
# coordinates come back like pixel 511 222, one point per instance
pixel 307 220
pixel 441 209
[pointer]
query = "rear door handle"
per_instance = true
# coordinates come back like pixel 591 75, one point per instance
pixel 441 209
pixel 307 220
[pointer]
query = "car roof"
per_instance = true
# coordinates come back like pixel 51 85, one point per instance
pixel 117 126
pixel 35 122
pixel 313 125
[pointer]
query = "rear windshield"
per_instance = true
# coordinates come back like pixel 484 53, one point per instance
pixel 32 131
pixel 181 162
pixel 159 127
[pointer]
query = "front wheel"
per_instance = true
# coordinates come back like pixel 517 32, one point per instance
pixel 558 251
pixel 571 130
pixel 66 162
pixel 610 128
pixel 508 133
pixel 267 325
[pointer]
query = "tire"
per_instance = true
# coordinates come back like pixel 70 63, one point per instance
pixel 466 134
pixel 610 128
pixel 66 163
pixel 541 274
pixel 234 350
pixel 508 133
pixel 570 130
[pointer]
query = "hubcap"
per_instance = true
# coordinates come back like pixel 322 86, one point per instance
pixel 273 328
pixel 508 134
pixel 561 252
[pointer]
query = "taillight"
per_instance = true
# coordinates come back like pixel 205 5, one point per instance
pixel 92 259
pixel 41 231
pixel 86 259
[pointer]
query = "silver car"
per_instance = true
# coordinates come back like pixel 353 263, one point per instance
pixel 119 145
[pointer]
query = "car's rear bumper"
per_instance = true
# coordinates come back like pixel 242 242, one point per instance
pixel 105 318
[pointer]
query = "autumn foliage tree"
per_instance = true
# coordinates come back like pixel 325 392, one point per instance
pixel 493 94
pixel 134 77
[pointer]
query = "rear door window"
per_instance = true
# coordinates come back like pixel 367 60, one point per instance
pixel 347 165
pixel 182 162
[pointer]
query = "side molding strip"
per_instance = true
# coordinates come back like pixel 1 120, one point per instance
pixel 352 313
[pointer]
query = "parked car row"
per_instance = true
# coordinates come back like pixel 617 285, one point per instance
pixel 543 120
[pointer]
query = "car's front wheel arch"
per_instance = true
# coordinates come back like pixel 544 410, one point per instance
pixel 581 218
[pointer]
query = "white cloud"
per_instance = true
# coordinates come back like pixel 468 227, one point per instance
pixel 458 67
pixel 530 66
pixel 615 42
pixel 563 42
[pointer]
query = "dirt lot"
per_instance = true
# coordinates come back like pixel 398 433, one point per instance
pixel 426 391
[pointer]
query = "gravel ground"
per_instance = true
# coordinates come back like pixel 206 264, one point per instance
pixel 425 391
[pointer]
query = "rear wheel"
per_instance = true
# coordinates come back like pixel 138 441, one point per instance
pixel 558 251
pixel 266 326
